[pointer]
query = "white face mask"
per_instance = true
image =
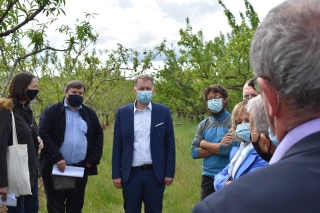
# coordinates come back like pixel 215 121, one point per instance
pixel 243 131
pixel 144 96
pixel 215 106
pixel 272 137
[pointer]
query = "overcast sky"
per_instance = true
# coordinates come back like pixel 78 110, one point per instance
pixel 141 24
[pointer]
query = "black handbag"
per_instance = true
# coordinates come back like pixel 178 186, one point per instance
pixel 63 182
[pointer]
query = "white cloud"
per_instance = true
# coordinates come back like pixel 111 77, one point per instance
pixel 143 24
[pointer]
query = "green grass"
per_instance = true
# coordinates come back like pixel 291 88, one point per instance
pixel 181 196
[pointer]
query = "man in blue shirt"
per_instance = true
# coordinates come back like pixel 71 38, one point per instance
pixel 73 136
pixel 211 141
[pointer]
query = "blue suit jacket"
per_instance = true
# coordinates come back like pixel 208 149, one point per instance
pixel 252 162
pixel 290 185
pixel 162 142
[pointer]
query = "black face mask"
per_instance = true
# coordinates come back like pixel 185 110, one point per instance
pixel 31 94
pixel 265 156
pixel 75 100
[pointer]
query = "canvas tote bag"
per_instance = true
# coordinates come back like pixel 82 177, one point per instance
pixel 17 165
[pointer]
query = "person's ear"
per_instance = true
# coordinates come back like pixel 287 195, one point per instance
pixel 269 93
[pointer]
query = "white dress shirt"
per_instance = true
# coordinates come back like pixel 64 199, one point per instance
pixel 142 126
pixel 243 152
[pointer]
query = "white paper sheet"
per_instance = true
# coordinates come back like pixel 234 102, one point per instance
pixel 11 200
pixel 70 171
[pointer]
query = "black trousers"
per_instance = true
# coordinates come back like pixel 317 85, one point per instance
pixel 65 201
pixel 206 186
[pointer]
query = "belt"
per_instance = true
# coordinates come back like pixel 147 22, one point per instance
pixel 144 167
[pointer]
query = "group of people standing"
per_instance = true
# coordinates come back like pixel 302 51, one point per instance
pixel 245 168
pixel 228 142
pixel 284 120
pixel 69 134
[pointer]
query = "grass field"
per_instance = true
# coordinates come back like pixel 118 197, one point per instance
pixel 103 197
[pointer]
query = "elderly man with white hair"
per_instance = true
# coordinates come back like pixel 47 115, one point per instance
pixel 285 54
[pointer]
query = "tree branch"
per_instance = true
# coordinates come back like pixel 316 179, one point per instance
pixel 7 10
pixel 4 59
pixel 11 70
pixel 8 32
pixel 41 50
pixel 111 79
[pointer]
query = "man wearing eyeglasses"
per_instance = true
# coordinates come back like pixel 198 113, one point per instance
pixel 211 141
pixel 285 59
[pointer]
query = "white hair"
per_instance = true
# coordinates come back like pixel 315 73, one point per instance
pixel 260 120
pixel 286 52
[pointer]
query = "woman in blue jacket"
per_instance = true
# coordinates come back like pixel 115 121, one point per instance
pixel 244 159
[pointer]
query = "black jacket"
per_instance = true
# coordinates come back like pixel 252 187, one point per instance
pixel 290 185
pixel 27 131
pixel 52 127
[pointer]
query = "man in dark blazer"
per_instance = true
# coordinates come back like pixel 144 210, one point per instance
pixel 72 136
pixel 143 157
pixel 285 58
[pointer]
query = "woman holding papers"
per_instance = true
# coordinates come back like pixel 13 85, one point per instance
pixel 22 90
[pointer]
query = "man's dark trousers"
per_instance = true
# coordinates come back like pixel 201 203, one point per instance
pixel 143 186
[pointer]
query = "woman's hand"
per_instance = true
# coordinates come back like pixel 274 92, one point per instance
pixel 3 192
pixel 228 182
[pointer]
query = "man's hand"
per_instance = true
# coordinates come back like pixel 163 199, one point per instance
pixel 88 165
pixel 168 181
pixel 3 192
pixel 227 139
pixel 117 183
pixel 61 165
pixel 40 141
pixel 202 143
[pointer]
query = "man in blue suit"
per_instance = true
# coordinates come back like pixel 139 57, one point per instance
pixel 143 157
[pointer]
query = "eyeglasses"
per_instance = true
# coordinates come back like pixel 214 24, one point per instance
pixel 216 98
pixel 254 84
pixel 254 137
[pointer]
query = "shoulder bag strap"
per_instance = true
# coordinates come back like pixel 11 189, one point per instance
pixel 14 132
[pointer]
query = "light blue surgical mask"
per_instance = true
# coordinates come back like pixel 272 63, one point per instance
pixel 243 131
pixel 144 96
pixel 272 137
pixel 215 106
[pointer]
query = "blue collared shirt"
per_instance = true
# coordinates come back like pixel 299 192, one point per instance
pixel 74 146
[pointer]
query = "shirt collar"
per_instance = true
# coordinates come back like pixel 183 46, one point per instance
pixel 222 116
pixel 135 109
pixel 66 105
pixel 294 136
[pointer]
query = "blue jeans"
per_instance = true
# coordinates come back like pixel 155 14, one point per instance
pixel 27 203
